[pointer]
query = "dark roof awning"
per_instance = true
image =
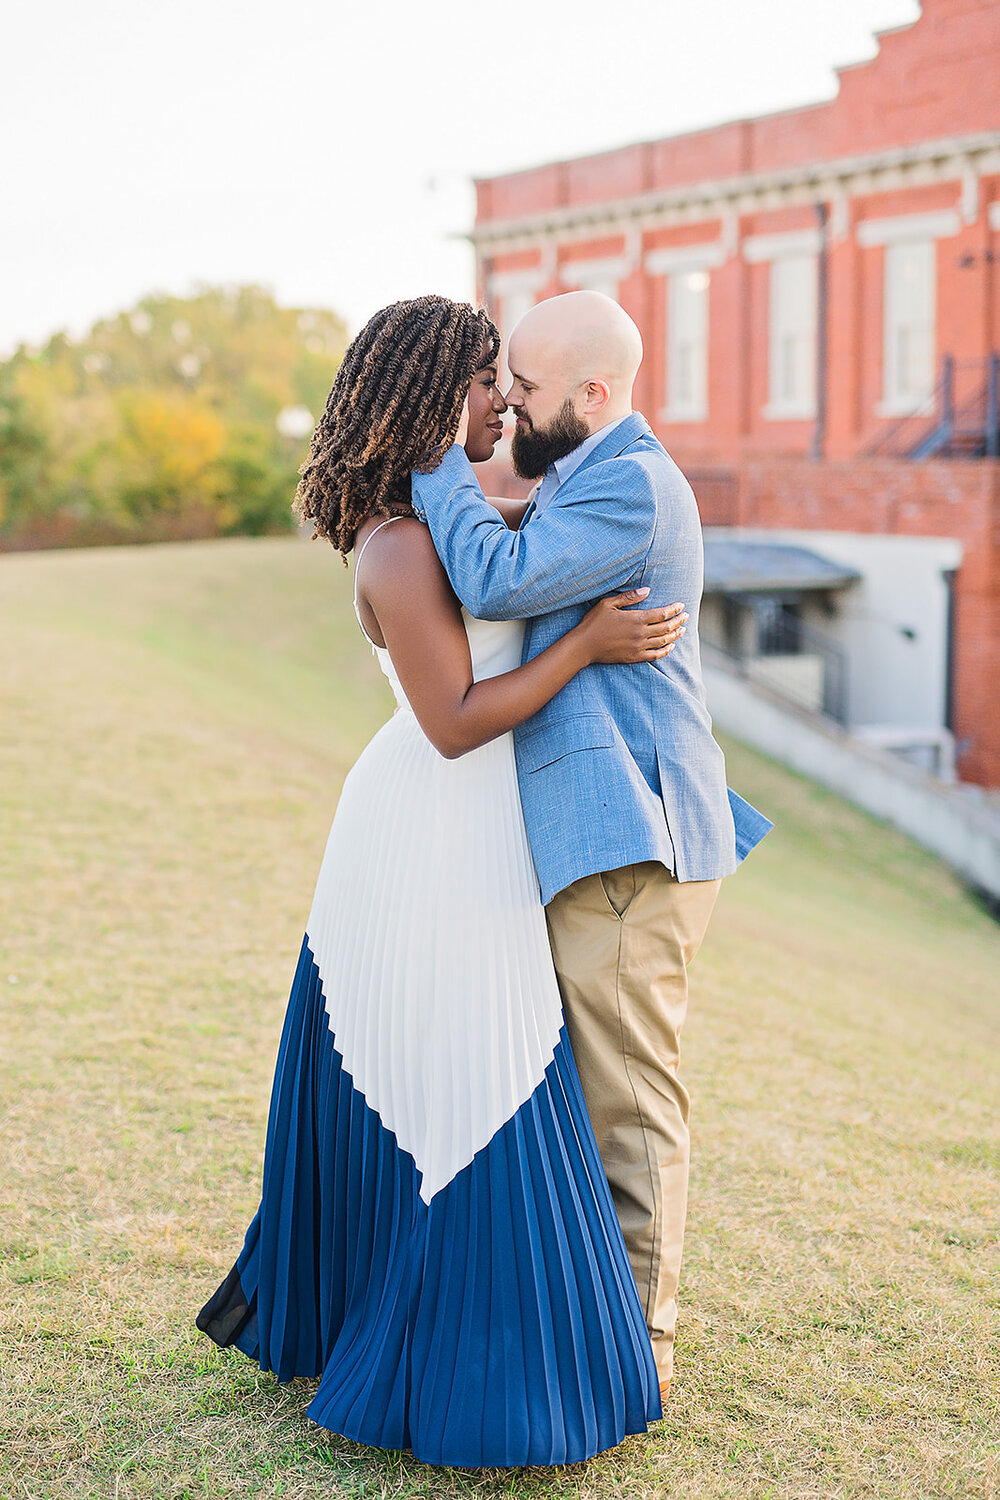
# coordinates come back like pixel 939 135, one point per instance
pixel 737 567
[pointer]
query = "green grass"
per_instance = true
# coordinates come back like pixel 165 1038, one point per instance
pixel 176 724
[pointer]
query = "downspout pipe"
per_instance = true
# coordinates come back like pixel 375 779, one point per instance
pixel 818 444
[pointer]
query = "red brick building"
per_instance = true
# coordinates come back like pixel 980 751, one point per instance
pixel 819 297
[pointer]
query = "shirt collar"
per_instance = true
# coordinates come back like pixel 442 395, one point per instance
pixel 569 464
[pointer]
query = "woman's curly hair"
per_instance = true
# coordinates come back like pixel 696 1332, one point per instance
pixel 394 407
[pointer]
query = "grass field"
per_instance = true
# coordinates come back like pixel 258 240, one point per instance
pixel 176 724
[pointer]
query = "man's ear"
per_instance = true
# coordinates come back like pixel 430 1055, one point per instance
pixel 596 395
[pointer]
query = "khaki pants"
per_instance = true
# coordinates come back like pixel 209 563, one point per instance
pixel 622 943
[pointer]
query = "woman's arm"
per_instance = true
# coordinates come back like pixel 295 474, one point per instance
pixel 591 541
pixel 421 623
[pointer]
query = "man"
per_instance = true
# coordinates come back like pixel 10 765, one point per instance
pixel 622 784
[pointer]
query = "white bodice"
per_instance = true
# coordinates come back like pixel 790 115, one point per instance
pixel 494 645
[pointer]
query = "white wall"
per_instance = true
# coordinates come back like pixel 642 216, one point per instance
pixel 892 679
pixel 959 827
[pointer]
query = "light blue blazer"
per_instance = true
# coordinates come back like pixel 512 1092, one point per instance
pixel 621 765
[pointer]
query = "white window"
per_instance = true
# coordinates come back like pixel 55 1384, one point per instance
pixel 509 305
pixel 596 282
pixel 908 350
pixel 594 275
pixel 687 346
pixel 511 309
pixel 792 383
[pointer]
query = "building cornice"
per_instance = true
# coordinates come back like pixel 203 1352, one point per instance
pixel 929 162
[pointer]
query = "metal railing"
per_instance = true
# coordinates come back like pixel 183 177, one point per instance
pixel 959 419
pixel 790 647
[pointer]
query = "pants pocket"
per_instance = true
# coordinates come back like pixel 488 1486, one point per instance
pixel 619 888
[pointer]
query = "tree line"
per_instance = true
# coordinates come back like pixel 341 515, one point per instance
pixel 180 417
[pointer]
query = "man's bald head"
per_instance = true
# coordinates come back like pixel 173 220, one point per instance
pixel 583 347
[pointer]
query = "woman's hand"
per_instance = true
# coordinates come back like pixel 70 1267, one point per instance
pixel 463 425
pixel 615 633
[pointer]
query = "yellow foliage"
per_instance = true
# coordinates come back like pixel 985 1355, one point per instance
pixel 168 441
pixel 163 420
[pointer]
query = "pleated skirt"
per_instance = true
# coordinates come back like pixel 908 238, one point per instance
pixel 436 1238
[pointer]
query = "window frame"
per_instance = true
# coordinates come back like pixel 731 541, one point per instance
pixel 677 408
pixel 897 402
pixel 797 406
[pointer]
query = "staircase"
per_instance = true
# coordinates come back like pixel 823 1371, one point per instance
pixel 960 419
pixel 801 666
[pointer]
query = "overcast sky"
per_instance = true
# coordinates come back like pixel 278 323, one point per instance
pixel 325 149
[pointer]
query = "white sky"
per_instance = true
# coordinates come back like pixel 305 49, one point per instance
pixel 325 149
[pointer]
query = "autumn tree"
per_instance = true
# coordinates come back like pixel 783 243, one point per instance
pixel 182 416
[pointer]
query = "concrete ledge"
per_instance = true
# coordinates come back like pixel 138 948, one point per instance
pixel 951 823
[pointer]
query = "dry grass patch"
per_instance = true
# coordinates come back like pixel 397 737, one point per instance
pixel 178 720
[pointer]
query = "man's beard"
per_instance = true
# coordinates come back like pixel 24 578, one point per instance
pixel 533 449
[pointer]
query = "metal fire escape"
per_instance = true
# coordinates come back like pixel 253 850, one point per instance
pixel 959 419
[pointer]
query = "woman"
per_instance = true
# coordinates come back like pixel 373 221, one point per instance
pixel 436 1238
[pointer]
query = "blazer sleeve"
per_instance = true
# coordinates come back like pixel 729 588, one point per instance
pixel 590 541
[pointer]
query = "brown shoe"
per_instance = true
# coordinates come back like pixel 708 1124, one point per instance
pixel 664 1391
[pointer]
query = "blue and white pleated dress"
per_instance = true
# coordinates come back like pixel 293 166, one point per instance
pixel 436 1238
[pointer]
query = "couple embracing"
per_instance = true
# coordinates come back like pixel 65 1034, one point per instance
pixel 475 1173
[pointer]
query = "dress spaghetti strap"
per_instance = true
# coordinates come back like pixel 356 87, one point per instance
pixel 357 564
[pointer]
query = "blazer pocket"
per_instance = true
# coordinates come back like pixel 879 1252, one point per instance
pixel 550 742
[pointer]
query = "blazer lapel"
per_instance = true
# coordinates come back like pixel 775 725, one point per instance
pixel 623 436
pixel 627 432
